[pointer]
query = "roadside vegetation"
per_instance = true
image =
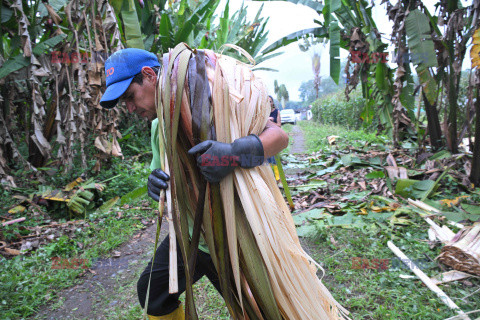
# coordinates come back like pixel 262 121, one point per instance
pixel 347 208
pixel 54 247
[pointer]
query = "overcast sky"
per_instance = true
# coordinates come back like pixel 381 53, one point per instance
pixel 294 65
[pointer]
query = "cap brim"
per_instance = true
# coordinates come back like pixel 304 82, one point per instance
pixel 114 92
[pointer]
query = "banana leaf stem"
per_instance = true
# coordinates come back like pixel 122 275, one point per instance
pixel 278 160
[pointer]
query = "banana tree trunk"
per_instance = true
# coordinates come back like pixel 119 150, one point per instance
pixel 434 129
pixel 8 152
pixel 35 156
pixel 452 115
pixel 475 173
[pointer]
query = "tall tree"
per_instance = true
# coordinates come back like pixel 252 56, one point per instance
pixel 316 73
pixel 281 92
pixel 307 92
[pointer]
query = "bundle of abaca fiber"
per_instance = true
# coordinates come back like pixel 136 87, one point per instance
pixel 264 272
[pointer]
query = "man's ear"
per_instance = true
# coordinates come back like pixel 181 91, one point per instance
pixel 148 73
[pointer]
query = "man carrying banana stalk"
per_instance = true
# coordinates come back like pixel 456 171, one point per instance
pixel 132 78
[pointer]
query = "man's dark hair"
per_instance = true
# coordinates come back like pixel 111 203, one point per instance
pixel 138 78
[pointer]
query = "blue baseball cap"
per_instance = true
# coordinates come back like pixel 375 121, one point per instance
pixel 120 68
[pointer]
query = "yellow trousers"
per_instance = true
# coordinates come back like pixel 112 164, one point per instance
pixel 276 172
pixel 178 314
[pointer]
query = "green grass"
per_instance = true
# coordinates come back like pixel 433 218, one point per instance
pixel 375 293
pixel 28 282
pixel 316 137
pixel 209 302
pixel 287 127
pixel 382 294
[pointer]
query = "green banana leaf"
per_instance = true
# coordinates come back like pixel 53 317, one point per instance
pixel 334 5
pixel 334 32
pixel 420 40
pixel 222 33
pixel 428 83
pixel 131 26
pixel 204 9
pixel 166 32
pixel 416 189
pixel 13 64
pixel 317 6
pixel 48 44
pixel 319 32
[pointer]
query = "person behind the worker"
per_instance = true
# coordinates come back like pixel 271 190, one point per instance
pixel 132 78
pixel 275 118
pixel 274 113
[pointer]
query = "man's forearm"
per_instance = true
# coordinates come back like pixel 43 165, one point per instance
pixel 274 139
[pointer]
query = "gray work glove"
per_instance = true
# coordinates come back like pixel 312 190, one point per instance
pixel 157 180
pixel 218 159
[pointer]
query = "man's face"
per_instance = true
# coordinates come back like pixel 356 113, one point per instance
pixel 272 105
pixel 140 99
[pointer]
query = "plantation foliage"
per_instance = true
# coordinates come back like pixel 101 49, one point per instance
pixel 52 72
pixel 432 45
pixel 334 109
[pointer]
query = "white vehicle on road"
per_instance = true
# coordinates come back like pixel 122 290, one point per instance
pixel 288 116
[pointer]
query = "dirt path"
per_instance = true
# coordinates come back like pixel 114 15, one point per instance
pixel 112 284
pixel 298 145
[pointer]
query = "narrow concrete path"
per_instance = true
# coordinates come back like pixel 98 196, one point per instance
pixel 298 145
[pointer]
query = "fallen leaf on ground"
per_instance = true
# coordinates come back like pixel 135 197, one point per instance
pixel 452 202
pixel 363 185
pixel 12 252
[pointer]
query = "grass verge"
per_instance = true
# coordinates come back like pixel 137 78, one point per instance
pixel 28 282
pixel 374 293
pixel 316 137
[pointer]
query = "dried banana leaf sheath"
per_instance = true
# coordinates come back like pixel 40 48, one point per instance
pixel 463 251
pixel 249 230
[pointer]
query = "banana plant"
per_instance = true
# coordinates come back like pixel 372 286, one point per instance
pixel 437 57
pixel 349 25
pixel 127 15
pixel 191 22
pixel 424 58
pixel 45 40
pixel 237 30
pixel 183 22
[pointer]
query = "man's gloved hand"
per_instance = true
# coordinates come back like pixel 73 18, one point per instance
pixel 218 159
pixel 157 180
